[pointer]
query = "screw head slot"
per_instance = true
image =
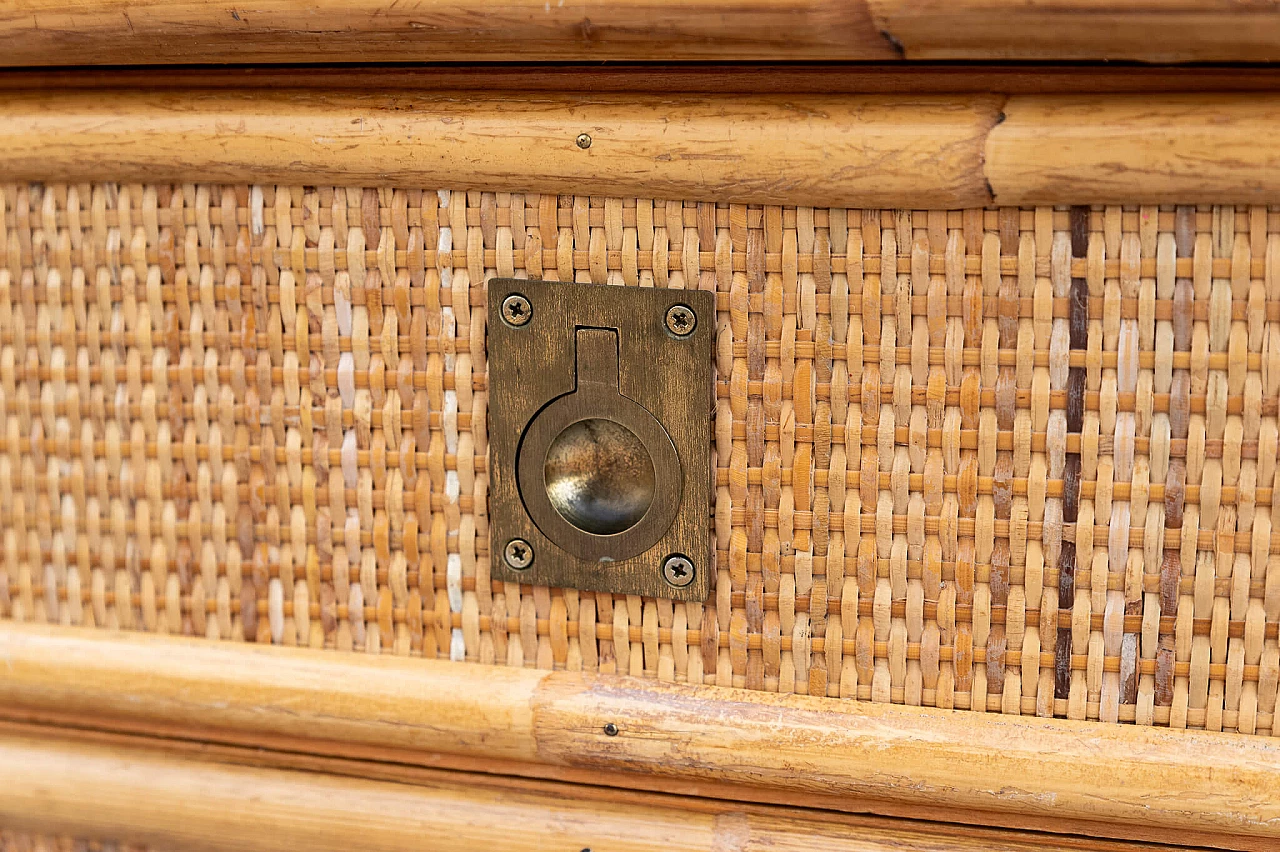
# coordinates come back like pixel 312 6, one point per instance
pixel 678 571
pixel 584 141
pixel 610 729
pixel 681 320
pixel 516 310
pixel 518 554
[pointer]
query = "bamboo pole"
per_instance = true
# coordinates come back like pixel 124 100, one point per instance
pixel 121 32
pixel 1134 779
pixel 112 787
pixel 904 151
pixel 829 150
pixel 1163 31
pixel 1185 149
pixel 863 150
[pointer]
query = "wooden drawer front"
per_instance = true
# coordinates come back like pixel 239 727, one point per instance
pixel 1017 460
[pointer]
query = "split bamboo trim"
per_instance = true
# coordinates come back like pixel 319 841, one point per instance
pixel 846 151
pixel 1134 781
pixel 1012 460
pixel 196 802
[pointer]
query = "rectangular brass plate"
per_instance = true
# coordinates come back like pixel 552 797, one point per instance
pixel 535 362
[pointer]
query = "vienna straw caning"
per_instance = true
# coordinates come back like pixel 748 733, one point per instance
pixel 1010 460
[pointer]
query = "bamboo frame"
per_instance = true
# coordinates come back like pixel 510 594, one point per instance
pixel 61 32
pixel 1135 782
pixel 114 787
pixel 918 151
pixel 1166 31
pixel 921 150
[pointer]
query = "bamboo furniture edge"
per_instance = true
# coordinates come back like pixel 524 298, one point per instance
pixel 123 788
pixel 1129 782
pixel 907 151
pixel 44 32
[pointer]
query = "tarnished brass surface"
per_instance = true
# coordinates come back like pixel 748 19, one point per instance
pixel 599 425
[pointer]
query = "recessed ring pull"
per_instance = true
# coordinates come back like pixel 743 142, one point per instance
pixel 600 415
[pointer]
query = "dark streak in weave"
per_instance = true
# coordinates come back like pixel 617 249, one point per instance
pixel 1071 491
pixel 1170 574
pixel 1067 580
pixel 1075 399
pixel 1129 669
pixel 1062 664
pixel 1164 672
pixel 1078 307
pixel 1079 231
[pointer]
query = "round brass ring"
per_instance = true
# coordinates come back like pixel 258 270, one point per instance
pixel 587 403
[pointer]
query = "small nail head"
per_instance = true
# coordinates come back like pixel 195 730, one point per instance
pixel 681 320
pixel 516 310
pixel 678 571
pixel 584 141
pixel 518 554
pixel 610 729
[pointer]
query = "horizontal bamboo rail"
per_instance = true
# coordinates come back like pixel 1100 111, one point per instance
pixel 1134 782
pixel 1167 149
pixel 764 149
pixel 910 151
pixel 1160 31
pixel 118 788
pixel 68 32
pixel 121 32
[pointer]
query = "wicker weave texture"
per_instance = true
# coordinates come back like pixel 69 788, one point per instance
pixel 1011 460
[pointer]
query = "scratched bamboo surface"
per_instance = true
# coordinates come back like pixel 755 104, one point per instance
pixel 1007 460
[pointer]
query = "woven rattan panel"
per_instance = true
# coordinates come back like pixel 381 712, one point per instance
pixel 1011 460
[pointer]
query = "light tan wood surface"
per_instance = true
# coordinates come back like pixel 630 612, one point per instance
pixel 917 151
pixel 909 151
pixel 73 32
pixel 222 798
pixel 1129 782
pixel 125 32
pixel 1157 31
pixel 1122 149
